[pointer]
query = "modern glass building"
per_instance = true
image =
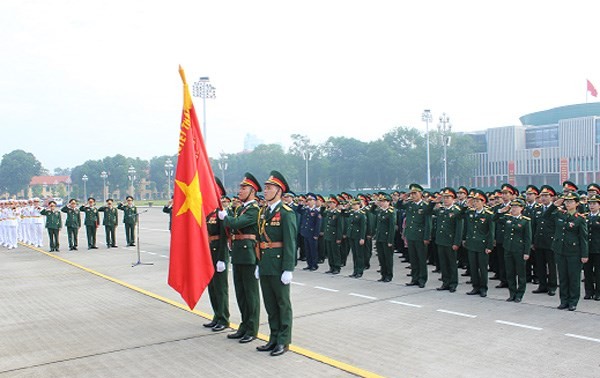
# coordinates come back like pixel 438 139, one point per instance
pixel 549 147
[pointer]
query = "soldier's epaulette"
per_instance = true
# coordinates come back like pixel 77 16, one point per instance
pixel 526 218
pixel 583 215
pixel 488 211
pixel 254 204
pixel 360 211
pixel 390 210
pixel 286 207
pixel 537 205
pixel 455 207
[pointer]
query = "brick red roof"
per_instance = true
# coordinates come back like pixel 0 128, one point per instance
pixel 49 180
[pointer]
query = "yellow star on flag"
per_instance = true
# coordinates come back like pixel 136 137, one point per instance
pixel 193 198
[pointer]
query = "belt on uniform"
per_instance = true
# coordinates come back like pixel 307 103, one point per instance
pixel 271 245
pixel 243 237
pixel 214 237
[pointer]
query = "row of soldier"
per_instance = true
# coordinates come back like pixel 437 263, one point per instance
pixel 23 221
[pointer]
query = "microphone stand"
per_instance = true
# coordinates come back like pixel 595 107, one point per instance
pixel 139 257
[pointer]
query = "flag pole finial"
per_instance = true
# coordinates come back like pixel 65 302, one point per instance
pixel 182 74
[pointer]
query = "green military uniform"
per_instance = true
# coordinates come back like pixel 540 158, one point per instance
pixel 345 244
pixel 53 225
pixel 218 287
pixel 129 220
pixel 517 244
pixel 448 234
pixel 332 235
pixel 110 222
pixel 357 232
pixel 385 230
pixel 73 223
pixel 570 246
pixel 591 269
pixel 543 236
pixel 243 224
pixel 479 237
pixel 91 224
pixel 416 232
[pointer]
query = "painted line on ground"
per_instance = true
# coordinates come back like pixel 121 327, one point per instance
pixel 519 325
pixel 296 349
pixel 165 256
pixel 326 289
pixel 362 296
pixel 298 283
pixel 153 229
pixel 456 313
pixel 583 337
pixel 406 304
pixel 150 253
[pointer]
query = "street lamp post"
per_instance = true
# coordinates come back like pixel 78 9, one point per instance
pixel 426 117
pixel 131 176
pixel 169 174
pixel 84 178
pixel 445 128
pixel 203 89
pixel 104 175
pixel 306 155
pixel 223 168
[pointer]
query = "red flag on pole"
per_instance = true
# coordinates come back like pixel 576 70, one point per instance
pixel 195 195
pixel 591 89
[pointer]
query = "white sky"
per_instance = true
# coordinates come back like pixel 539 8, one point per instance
pixel 86 79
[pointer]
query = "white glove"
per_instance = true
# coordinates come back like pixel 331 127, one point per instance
pixel 222 214
pixel 220 266
pixel 286 277
pixel 256 272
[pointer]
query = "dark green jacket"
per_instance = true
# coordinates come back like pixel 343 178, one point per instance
pixel 571 234
pixel 91 215
pixel 243 221
pixel 111 216
pixel 73 217
pixel 277 226
pixel 386 226
pixel 357 225
pixel 544 227
pixel 517 234
pixel 418 220
pixel 480 230
pixel 594 233
pixel 332 225
pixel 129 213
pixel 216 230
pixel 53 219
pixel 449 228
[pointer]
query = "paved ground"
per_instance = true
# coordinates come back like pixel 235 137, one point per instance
pixel 57 319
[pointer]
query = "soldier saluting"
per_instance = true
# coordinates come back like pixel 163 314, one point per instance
pixel 91 221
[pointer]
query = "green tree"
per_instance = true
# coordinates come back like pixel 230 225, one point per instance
pixel 16 170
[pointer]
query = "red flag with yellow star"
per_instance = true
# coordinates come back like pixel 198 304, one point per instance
pixel 195 195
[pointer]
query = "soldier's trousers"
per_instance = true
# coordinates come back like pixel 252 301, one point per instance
pixel 333 254
pixel 358 256
pixel 111 240
pixel 276 297
pixel 385 254
pixel 591 271
pixel 368 251
pixel 344 250
pixel 312 254
pixel 448 266
pixel 478 262
pixel 72 236
pixel 130 233
pixel 321 248
pixel 417 254
pixel 53 236
pixel 218 292
pixel 498 256
pixel 91 235
pixel 545 266
pixel 247 296
pixel 569 278
pixel 516 276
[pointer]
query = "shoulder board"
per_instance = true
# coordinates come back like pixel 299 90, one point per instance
pixel 390 210
pixel 254 204
pixel 455 207
pixel 360 211
pixel 286 207
pixel 580 215
pixel 526 218
pixel 537 205
pixel 488 211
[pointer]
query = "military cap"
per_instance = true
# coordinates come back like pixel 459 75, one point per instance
pixel 571 196
pixel 569 186
pixel 129 197
pixel 396 192
pixel 414 187
pixel 220 186
pixel 582 193
pixel 72 200
pixel 491 196
pixel 509 188
pixel 320 198
pixel 276 178
pixel 517 202
pixel 225 198
pixel 594 198
pixel 289 193
pixel 384 197
pixel 594 187
pixel 89 198
pixel 311 196
pixel 346 195
pixel 250 180
pixel 463 189
pixel 532 189
pixel 449 192
pixel 49 203
pixel 110 200
pixel 354 201
pixel 333 198
pixel 36 199
pixel 478 194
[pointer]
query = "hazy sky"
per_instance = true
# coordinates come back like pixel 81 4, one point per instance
pixel 85 79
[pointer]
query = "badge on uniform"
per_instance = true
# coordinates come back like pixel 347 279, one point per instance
pixel 276 220
pixel 482 220
pixel 571 224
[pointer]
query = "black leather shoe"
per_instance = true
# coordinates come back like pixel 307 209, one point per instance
pixel 329 271
pixel 266 348
pixel 551 293
pixel 381 279
pixel 469 282
pixel 572 308
pixel 247 339
pixel 279 350
pixel 483 294
pixel 597 297
pixel 501 285
pixel 441 288
pixel 473 292
pixel 421 286
pixel 210 325
pixel 388 279
pixel 408 274
pixel 411 284
pixel 94 247
pixel 314 268
pixel 562 306
pixel 306 268
pixel 75 249
pixel 435 271
pixel 335 272
pixel 452 289
pixel 218 328
pixel 352 275
pixel 235 335
pixel 132 245
pixel 539 291
pixel 358 275
pixel 510 299
pixel 517 300
pixel 587 297
pixel 466 274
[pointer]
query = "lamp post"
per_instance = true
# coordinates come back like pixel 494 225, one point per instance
pixel 169 174
pixel 444 128
pixel 203 89
pixel 306 155
pixel 104 175
pixel 223 167
pixel 131 176
pixel 426 117
pixel 84 178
